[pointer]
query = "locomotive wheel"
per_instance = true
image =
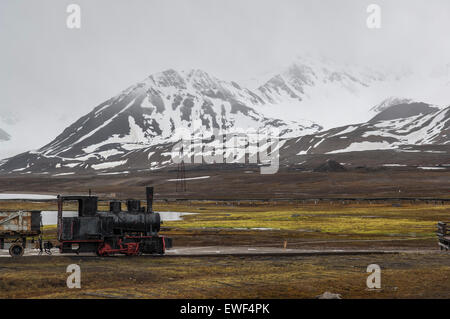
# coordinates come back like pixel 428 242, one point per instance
pixel 16 250
pixel 161 249
pixel 103 254
pixel 101 251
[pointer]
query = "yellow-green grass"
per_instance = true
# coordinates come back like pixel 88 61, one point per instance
pixel 353 220
pixel 374 220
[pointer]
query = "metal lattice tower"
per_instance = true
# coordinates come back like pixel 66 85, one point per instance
pixel 181 175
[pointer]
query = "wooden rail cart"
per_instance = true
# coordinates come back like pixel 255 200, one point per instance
pixel 16 226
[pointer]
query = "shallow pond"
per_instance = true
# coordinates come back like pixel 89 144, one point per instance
pixel 50 217
pixel 26 196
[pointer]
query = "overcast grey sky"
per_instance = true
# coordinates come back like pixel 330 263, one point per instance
pixel 46 67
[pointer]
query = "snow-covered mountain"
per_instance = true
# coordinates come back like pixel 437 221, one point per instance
pixel 151 111
pixel 327 92
pixel 417 131
pixel 30 128
pixel 396 126
pixel 4 136
pixel 150 114
pixel 335 94
pixel 297 80
pixel 137 128
pixel 390 101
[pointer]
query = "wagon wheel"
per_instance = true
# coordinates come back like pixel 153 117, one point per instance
pixel 16 250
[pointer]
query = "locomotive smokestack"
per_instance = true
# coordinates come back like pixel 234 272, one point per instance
pixel 149 191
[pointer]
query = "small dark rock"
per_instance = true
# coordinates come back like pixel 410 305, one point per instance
pixel 330 166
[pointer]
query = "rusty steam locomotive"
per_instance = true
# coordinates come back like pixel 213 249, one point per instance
pixel 131 232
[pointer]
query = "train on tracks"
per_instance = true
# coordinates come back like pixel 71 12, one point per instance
pixel 132 232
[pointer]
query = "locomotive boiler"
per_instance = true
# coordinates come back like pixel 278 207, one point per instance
pixel 131 232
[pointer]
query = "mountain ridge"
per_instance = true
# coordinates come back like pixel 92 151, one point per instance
pixel 138 127
pixel 414 137
pixel 156 111
pixel 431 128
pixel 4 136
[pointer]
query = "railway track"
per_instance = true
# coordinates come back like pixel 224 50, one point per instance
pixel 238 251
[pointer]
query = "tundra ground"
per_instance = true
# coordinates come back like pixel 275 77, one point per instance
pixel 402 276
pixel 337 225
